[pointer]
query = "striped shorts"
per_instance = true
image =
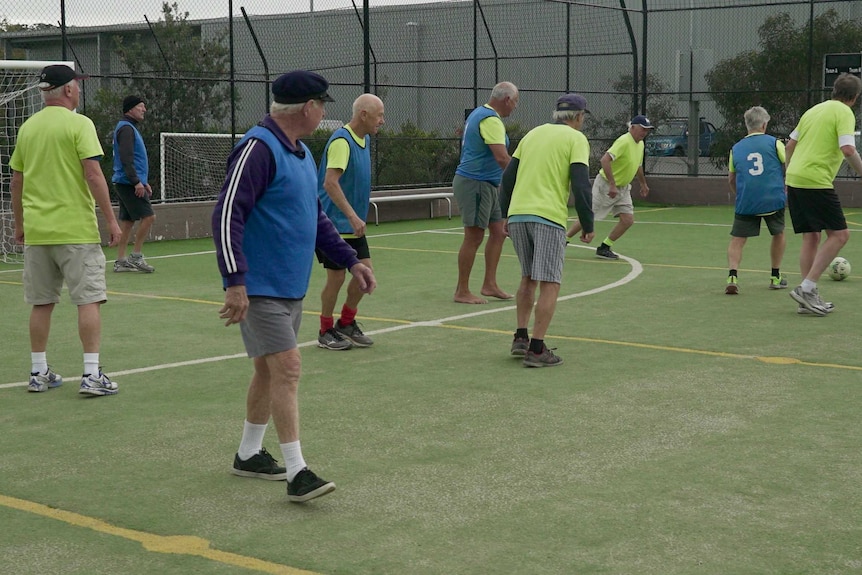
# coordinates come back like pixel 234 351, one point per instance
pixel 541 249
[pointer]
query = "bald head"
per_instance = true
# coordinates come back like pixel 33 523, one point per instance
pixel 367 115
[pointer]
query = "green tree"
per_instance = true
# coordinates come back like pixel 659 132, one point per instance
pixel 775 74
pixel 181 77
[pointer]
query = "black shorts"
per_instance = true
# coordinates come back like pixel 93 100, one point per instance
pixel 746 226
pixel 132 208
pixel 358 244
pixel 815 210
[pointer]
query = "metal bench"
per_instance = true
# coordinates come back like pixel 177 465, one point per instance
pixel 429 197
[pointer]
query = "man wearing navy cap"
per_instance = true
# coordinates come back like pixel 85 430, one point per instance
pixel 56 185
pixel 612 186
pixel 551 160
pixel 267 222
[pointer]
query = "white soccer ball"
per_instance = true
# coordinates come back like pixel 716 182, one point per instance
pixel 839 269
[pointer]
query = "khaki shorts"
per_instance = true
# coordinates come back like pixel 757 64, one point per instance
pixel 603 204
pixel 82 266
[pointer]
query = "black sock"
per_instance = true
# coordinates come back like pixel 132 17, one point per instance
pixel 521 333
pixel 776 273
pixel 537 345
pixel 732 273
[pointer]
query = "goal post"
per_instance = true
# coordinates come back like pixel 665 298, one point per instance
pixel 193 164
pixel 19 99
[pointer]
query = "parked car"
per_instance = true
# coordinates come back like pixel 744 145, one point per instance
pixel 670 138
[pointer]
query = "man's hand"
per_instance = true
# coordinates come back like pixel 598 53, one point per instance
pixel 587 237
pixel 149 191
pixel 114 231
pixel 140 190
pixel 365 277
pixel 357 224
pixel 613 192
pixel 235 305
pixel 644 190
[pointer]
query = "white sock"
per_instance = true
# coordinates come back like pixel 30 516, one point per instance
pixel 808 285
pixel 91 364
pixel 293 461
pixel 39 360
pixel 252 440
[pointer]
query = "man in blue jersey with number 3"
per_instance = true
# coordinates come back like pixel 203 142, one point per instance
pixel 756 176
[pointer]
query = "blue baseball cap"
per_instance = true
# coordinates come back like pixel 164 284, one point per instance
pixel 572 102
pixel 300 86
pixel 642 121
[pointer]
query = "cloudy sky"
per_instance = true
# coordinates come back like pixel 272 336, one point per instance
pixel 102 12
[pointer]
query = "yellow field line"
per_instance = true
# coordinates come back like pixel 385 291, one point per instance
pixel 777 360
pixel 174 544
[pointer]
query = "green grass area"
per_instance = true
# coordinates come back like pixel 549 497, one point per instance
pixel 688 432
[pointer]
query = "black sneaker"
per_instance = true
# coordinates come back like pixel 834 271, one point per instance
pixel 306 485
pixel 545 359
pixel 520 345
pixel 353 333
pixel 261 465
pixel 606 253
pixel 332 339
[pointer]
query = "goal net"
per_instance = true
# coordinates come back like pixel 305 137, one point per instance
pixel 19 99
pixel 193 165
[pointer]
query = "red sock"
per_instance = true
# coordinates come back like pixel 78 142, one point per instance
pixel 347 315
pixel 326 323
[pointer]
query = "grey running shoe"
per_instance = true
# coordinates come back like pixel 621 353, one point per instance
pixel 261 465
pixel 140 264
pixel 306 485
pixel 828 305
pixel 332 339
pixel 353 333
pixel 520 345
pixel 123 265
pixel 44 381
pixel 99 384
pixel 777 282
pixel 606 253
pixel 809 300
pixel 545 359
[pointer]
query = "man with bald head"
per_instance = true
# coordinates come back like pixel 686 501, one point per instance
pixel 344 188
pixel 484 156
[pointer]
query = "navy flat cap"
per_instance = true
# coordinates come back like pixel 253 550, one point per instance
pixel 300 86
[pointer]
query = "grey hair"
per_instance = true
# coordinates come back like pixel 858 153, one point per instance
pixel 52 94
pixel 504 90
pixel 566 115
pixel 277 109
pixel 755 118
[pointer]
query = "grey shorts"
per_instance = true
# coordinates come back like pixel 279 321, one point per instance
pixel 81 266
pixel 603 204
pixel 541 249
pixel 478 202
pixel 271 325
pixel 745 226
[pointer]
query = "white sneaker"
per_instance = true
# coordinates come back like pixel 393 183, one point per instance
pixel 44 381
pixel 140 264
pixel 99 384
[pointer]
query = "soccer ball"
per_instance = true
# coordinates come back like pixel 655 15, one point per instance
pixel 839 269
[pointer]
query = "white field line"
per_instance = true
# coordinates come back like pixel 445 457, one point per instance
pixel 636 270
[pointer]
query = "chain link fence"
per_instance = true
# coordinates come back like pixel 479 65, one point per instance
pixel 206 68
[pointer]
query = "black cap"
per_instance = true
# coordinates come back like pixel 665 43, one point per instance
pixel 57 75
pixel 130 102
pixel 300 86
